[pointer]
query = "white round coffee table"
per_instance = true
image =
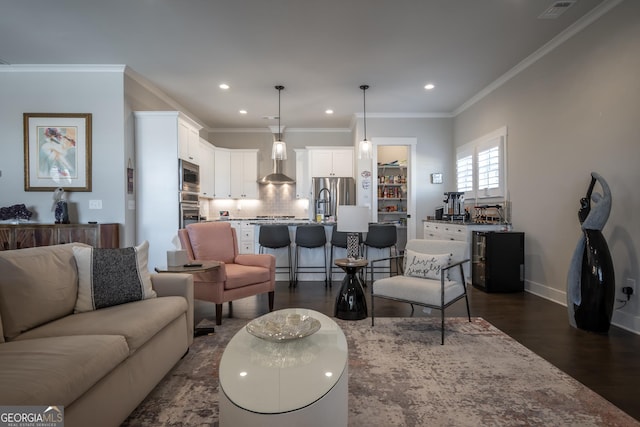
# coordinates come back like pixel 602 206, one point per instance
pixel 293 383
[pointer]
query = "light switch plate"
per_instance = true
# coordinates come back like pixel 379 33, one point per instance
pixel 95 204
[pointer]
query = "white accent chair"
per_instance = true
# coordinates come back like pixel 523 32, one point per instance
pixel 426 292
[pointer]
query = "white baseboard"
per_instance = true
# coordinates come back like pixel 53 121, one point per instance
pixel 620 319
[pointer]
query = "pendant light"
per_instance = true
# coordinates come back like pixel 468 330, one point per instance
pixel 279 149
pixel 364 148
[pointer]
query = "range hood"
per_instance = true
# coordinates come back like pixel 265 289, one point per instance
pixel 277 176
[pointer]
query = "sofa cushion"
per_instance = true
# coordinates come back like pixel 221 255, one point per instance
pixel 425 266
pixel 109 277
pixel 243 275
pixel 137 321
pixel 37 285
pixel 57 370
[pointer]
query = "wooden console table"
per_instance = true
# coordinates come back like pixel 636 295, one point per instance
pixel 29 235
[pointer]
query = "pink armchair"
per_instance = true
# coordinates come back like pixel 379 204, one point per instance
pixel 239 275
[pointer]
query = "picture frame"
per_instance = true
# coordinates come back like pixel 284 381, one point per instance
pixel 57 151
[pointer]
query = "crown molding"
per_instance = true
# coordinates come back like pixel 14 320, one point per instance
pixel 558 40
pixel 404 115
pixel 63 68
pixel 267 130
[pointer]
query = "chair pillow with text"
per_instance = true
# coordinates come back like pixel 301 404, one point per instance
pixel 425 266
pixel 108 277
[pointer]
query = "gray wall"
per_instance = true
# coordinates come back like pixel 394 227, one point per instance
pixel 33 89
pixel 572 112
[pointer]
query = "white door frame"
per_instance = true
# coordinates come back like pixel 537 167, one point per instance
pixel 410 143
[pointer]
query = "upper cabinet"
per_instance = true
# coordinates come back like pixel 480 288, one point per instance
pixel 207 175
pixel 188 141
pixel 331 162
pixel 235 174
pixel 222 174
pixel 244 174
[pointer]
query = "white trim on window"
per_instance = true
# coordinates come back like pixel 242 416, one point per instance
pixel 481 166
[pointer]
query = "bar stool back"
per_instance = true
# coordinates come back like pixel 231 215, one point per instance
pixel 382 236
pixel 310 237
pixel 275 237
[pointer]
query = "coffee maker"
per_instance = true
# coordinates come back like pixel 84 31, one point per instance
pixel 453 209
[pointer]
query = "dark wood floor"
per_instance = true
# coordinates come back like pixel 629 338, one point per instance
pixel 608 364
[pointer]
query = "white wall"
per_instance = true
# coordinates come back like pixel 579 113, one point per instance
pixel 572 112
pixel 65 89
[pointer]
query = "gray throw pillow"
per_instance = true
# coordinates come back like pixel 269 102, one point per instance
pixel 108 277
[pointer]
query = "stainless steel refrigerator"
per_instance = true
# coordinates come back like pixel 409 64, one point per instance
pixel 328 193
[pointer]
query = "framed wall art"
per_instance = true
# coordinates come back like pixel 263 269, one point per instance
pixel 57 151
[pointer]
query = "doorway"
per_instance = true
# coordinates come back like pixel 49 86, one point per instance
pixel 394 195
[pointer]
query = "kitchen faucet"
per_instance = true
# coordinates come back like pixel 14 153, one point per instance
pixel 326 209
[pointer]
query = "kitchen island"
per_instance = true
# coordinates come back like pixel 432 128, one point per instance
pixel 248 232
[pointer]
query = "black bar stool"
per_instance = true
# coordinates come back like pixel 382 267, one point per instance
pixel 381 236
pixel 338 240
pixel 310 237
pixel 277 237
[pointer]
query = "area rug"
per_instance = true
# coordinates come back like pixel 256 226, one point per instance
pixel 400 375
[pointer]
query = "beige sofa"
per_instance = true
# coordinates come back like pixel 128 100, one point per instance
pixel 98 364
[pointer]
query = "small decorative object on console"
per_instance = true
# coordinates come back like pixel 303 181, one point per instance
pixel 19 211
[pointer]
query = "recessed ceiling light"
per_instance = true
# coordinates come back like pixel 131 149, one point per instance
pixel 224 86
pixel 429 86
pixel 328 111
pixel 243 111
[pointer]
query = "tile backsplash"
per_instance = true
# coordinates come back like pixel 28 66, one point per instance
pixel 274 200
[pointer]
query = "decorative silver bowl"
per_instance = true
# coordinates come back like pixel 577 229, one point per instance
pixel 279 327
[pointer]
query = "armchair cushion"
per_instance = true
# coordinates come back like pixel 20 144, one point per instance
pixel 212 241
pixel 239 275
pixel 423 291
pixel 425 266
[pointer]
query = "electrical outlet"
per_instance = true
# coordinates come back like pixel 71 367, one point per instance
pixel 630 283
pixel 95 204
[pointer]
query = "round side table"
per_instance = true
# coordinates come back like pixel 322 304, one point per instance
pixel 350 302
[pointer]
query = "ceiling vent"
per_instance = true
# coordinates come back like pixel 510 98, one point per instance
pixel 556 9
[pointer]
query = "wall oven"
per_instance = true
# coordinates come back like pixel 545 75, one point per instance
pixel 189 208
pixel 189 177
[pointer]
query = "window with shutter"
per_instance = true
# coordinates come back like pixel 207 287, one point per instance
pixel 480 166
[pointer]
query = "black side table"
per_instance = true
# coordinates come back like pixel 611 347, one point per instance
pixel 350 302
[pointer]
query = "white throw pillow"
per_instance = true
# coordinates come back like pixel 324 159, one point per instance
pixel 426 266
pixel 108 277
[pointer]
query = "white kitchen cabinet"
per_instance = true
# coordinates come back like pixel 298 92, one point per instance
pixel 245 234
pixel 188 141
pixel 244 174
pixel 303 179
pixel 207 174
pixel 336 161
pixel 222 173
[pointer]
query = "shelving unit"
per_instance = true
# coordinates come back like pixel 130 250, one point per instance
pixel 392 194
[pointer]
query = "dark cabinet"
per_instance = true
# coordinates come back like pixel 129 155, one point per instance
pixel 497 261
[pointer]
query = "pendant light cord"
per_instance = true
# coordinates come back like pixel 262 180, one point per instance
pixel 279 128
pixel 364 107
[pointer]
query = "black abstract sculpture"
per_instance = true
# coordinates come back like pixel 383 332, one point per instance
pixel 60 207
pixel 19 212
pixel 591 280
